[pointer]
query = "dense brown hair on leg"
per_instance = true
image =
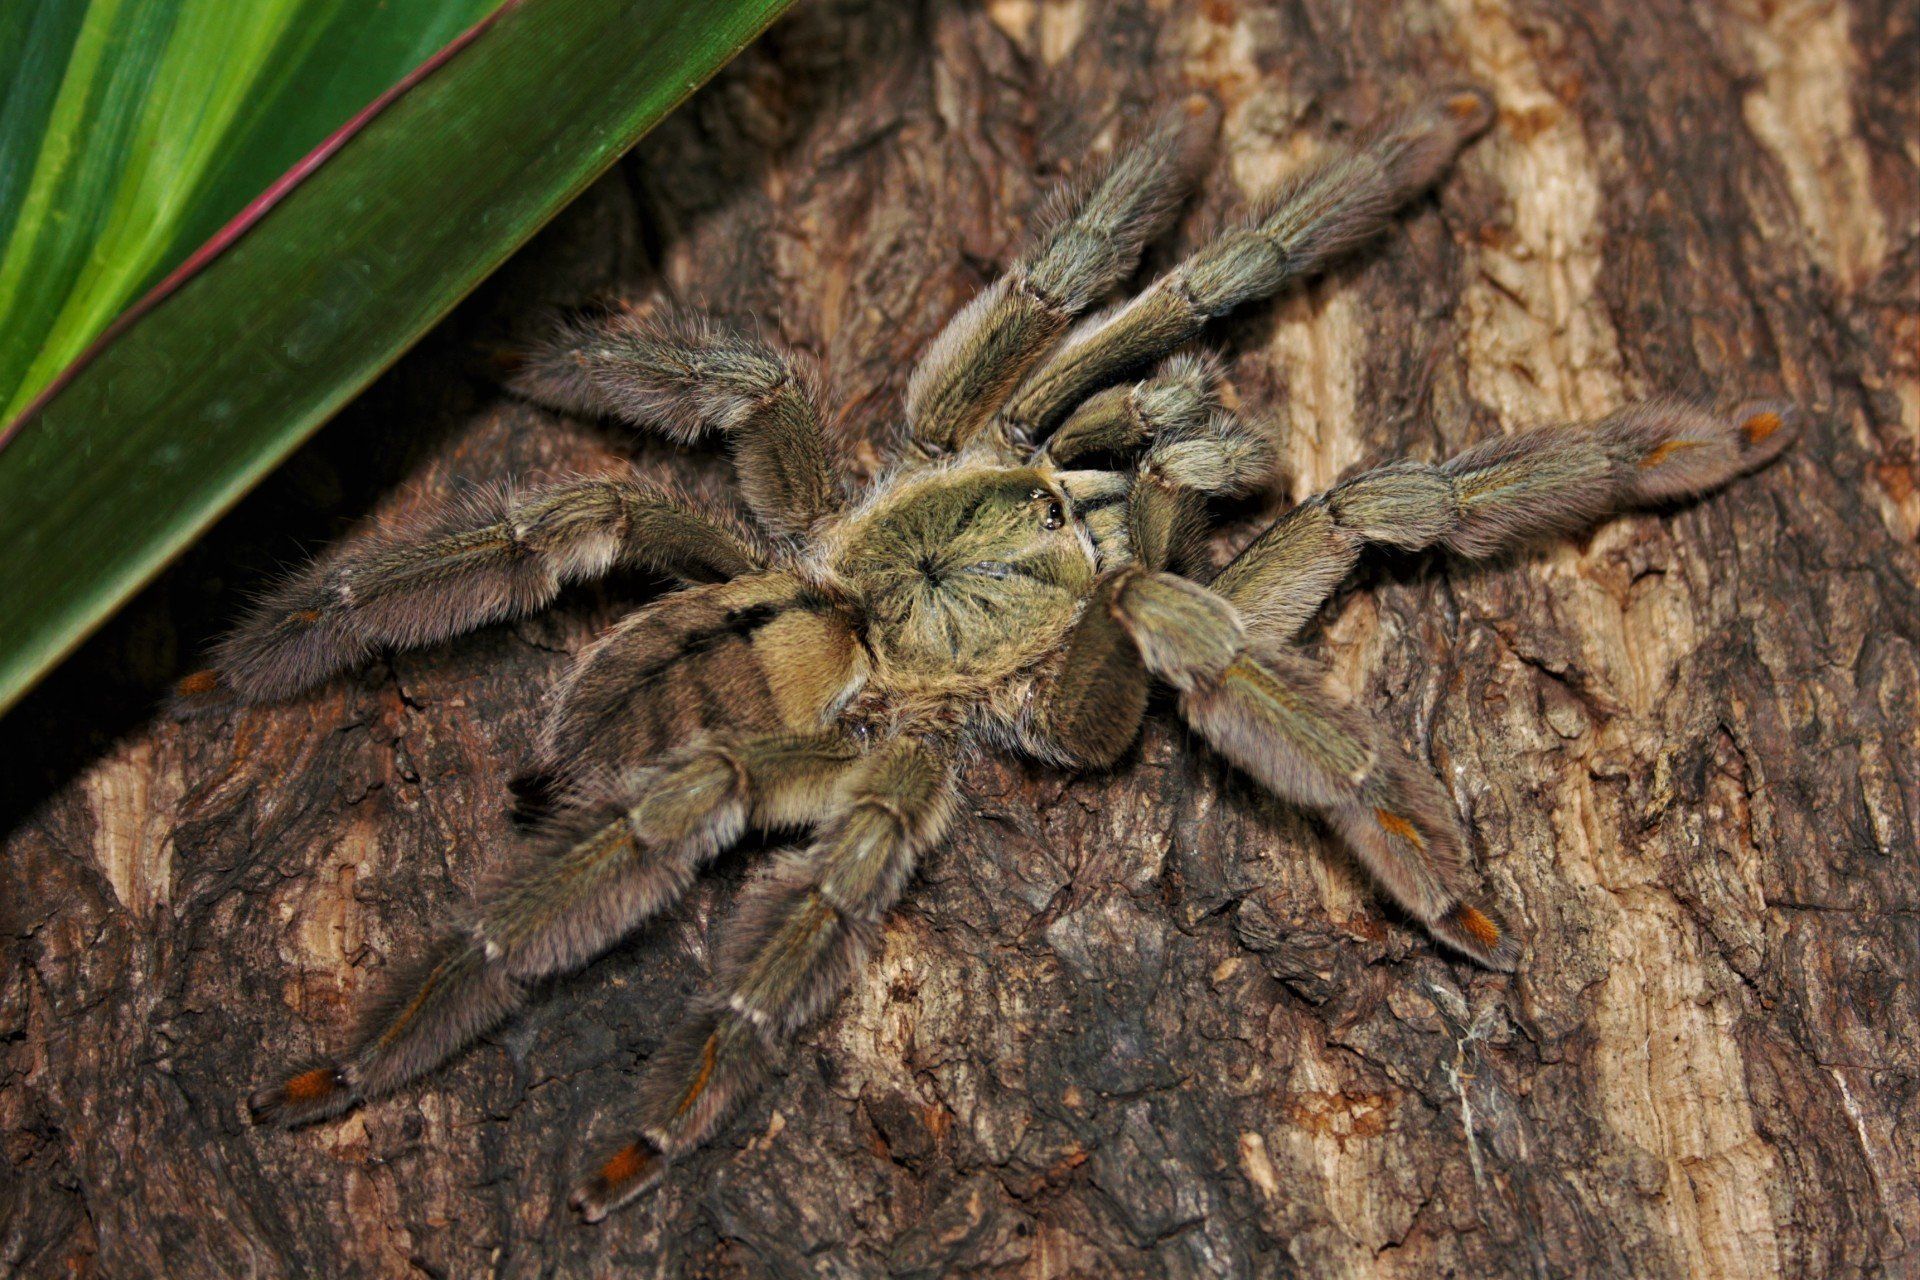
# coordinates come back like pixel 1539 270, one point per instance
pixel 1331 206
pixel 798 936
pixel 1091 236
pixel 1497 496
pixel 498 555
pixel 688 375
pixel 1270 715
pixel 622 854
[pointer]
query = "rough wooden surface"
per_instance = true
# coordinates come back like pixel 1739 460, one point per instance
pixel 1140 1024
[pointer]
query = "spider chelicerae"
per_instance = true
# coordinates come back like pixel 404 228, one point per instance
pixel 1018 580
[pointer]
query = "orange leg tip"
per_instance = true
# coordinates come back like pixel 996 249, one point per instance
pixel 504 361
pixel 311 1086
pixel 1760 426
pixel 198 684
pixel 1465 106
pixel 1471 109
pixel 308 1096
pixel 626 1172
pixel 1478 934
pixel 1477 923
pixel 627 1163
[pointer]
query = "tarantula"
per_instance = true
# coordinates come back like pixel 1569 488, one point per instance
pixel 830 665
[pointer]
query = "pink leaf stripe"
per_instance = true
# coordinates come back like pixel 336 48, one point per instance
pixel 249 217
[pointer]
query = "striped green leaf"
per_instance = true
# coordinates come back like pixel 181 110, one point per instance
pixel 131 130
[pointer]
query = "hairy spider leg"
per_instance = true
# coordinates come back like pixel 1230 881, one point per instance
pixel 1089 239
pixel 796 939
pixel 614 862
pixel 1179 397
pixel 1332 206
pixel 498 555
pixel 1270 714
pixel 1496 496
pixel 689 375
pixel 1086 707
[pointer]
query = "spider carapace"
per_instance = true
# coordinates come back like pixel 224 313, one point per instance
pixel 1026 569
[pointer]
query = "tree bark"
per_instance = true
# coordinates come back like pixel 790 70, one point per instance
pixel 1142 1023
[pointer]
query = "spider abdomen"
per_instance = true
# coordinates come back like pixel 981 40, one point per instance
pixel 762 653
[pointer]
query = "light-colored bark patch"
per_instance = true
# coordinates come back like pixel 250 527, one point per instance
pixel 132 794
pixel 1801 109
pixel 1543 345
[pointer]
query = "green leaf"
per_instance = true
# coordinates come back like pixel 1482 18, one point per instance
pixel 194 400
pixel 133 129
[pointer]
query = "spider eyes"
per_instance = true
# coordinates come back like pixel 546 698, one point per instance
pixel 1056 511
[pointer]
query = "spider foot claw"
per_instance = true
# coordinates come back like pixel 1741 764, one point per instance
pixel 622 1176
pixel 1766 427
pixel 311 1095
pixel 1470 106
pixel 1480 934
